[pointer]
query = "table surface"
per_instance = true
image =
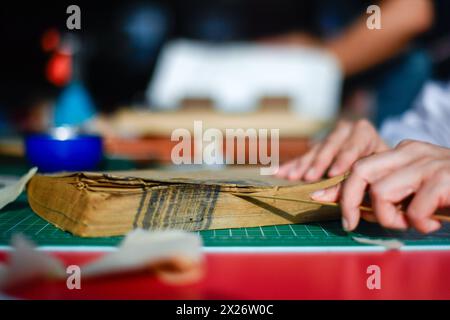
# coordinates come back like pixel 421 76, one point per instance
pixel 264 271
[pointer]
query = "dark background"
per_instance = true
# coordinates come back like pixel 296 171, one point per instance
pixel 118 63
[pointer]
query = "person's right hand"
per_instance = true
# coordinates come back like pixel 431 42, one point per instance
pixel 347 143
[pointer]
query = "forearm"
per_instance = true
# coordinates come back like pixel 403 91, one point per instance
pixel 359 48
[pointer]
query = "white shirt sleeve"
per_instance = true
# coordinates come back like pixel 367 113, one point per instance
pixel 428 120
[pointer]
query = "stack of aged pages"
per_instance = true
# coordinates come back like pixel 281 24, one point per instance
pixel 107 204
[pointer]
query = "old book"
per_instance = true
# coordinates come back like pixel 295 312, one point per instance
pixel 107 204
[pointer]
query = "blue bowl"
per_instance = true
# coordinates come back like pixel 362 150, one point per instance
pixel 62 149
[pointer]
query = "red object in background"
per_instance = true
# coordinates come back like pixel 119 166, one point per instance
pixel 404 275
pixel 50 40
pixel 59 68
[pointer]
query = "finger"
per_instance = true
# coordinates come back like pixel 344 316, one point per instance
pixel 344 160
pixel 298 170
pixel 327 195
pixel 395 187
pixel 361 143
pixel 353 191
pixel 381 146
pixel 434 194
pixel 332 194
pixel 403 182
pixel 328 151
pixel 379 165
pixel 365 172
pixel 285 168
pixel 289 167
pixel 364 141
pixel 388 214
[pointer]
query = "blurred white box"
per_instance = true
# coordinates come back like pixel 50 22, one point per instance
pixel 236 76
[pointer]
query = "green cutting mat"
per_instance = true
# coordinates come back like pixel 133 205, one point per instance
pixel 18 218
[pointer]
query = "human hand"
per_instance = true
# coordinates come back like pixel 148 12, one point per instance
pixel 417 169
pixel 347 143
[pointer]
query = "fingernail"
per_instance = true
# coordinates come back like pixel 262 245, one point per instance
pixel 317 194
pixel 311 173
pixel 433 225
pixel 292 176
pixel 333 171
pixel 399 222
pixel 345 224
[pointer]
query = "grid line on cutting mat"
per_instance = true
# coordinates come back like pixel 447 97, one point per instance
pixel 18 218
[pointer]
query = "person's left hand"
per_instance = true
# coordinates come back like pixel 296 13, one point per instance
pixel 416 169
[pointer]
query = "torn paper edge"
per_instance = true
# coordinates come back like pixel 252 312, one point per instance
pixel 391 244
pixel 142 248
pixel 26 263
pixel 10 193
pixel 139 250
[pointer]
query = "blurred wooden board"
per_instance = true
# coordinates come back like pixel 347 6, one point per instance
pixel 11 147
pixel 159 148
pixel 145 135
pixel 128 123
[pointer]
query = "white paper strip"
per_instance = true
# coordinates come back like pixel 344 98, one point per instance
pixel 142 248
pixel 139 250
pixel 26 263
pixel 391 244
pixel 10 193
